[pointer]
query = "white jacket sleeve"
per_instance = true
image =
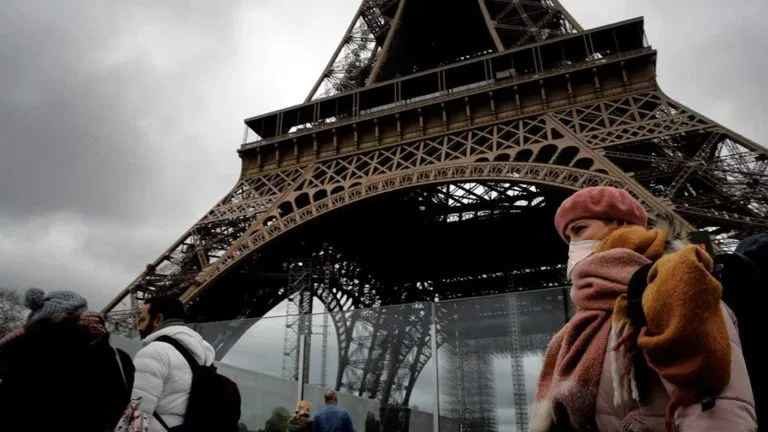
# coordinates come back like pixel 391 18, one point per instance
pixel 152 368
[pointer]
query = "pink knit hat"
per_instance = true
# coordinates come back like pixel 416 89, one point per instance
pixel 600 202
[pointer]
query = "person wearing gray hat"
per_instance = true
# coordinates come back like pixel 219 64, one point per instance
pixel 42 305
pixel 59 371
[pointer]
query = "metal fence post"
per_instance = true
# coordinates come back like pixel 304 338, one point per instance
pixel 301 368
pixel 433 336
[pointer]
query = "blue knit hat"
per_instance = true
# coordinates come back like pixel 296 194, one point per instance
pixel 54 303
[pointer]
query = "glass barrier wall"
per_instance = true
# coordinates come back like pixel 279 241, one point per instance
pixel 250 352
pixel 381 362
pixel 490 353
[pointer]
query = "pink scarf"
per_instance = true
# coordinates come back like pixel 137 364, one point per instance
pixel 573 363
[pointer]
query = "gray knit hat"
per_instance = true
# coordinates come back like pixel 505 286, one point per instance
pixel 54 303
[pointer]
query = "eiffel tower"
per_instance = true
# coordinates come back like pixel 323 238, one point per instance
pixel 427 162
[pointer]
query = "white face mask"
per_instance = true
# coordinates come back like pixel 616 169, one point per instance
pixel 578 251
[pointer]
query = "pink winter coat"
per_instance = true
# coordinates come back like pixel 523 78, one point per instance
pixel 734 410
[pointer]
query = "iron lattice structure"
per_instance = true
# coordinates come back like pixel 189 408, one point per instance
pixel 373 47
pixel 423 163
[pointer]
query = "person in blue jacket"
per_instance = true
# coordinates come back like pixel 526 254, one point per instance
pixel 331 418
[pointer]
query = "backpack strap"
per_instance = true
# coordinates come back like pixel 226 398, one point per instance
pixel 635 289
pixel 161 421
pixel 193 364
pixel 165 425
pixel 122 369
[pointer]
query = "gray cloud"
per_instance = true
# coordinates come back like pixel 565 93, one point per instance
pixel 119 120
pixel 120 123
pixel 712 56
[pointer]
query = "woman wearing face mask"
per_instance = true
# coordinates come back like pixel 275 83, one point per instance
pixel 679 367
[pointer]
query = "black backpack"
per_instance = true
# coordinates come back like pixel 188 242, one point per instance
pixel 214 400
pixel 744 284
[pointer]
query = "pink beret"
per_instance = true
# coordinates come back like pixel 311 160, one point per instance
pixel 600 202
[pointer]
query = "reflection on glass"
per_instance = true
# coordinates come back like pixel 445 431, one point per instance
pixel 249 354
pixel 381 362
pixel 489 355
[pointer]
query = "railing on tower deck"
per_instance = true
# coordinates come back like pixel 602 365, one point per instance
pixel 552 57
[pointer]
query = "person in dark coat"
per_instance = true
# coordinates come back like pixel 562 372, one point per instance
pixel 59 371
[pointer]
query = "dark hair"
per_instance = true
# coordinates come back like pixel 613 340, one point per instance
pixel 170 307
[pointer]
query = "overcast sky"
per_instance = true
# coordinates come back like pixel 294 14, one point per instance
pixel 119 120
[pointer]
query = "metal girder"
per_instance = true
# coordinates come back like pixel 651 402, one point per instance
pixel 386 47
pixel 514 23
pixel 713 175
pixel 696 162
pixel 366 42
pixel 668 163
pixel 375 21
pixel 472 145
pixel 366 339
pixel 727 217
pixel 275 224
pixel 618 121
pixel 464 201
pixel 630 118
pixel 351 63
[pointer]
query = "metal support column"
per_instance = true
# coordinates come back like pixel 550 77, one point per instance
pixel 324 351
pixel 433 337
pixel 305 333
pixel 301 377
pixel 518 371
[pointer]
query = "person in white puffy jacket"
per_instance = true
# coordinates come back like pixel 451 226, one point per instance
pixel 163 377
